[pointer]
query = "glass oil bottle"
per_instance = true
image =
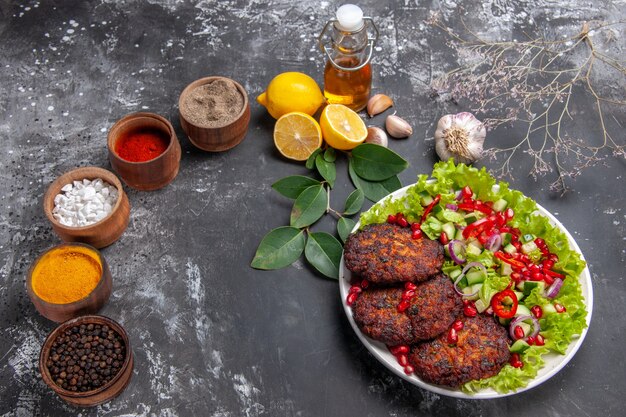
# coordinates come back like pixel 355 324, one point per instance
pixel 348 70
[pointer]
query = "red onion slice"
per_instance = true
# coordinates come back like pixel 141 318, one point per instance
pixel 457 251
pixel 460 277
pixel 554 289
pixel 519 319
pixel 452 207
pixel 494 242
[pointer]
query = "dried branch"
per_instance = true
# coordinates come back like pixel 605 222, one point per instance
pixel 533 81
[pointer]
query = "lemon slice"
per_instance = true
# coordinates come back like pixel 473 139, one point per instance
pixel 342 127
pixel 297 135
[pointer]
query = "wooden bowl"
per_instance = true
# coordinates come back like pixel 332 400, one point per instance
pixel 104 393
pixel 100 234
pixel 215 138
pixel 90 304
pixel 148 175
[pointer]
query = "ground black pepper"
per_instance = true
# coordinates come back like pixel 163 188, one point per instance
pixel 86 357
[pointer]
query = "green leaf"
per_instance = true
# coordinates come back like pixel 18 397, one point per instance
pixel 330 155
pixel 292 186
pixel 344 227
pixel 354 202
pixel 279 248
pixel 326 169
pixel 310 162
pixel 374 191
pixel 377 163
pixel 310 205
pixel 323 251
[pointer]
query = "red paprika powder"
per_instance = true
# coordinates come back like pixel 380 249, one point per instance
pixel 142 145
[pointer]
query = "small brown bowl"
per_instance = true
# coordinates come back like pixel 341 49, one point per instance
pixel 90 304
pixel 99 234
pixel 146 175
pixel 102 394
pixel 218 137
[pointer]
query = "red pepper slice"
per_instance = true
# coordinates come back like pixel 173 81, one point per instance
pixel 502 310
pixel 469 207
pixel 483 208
pixel 430 207
pixel 474 229
pixel 553 274
pixel 512 262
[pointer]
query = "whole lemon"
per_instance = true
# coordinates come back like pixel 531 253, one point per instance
pixel 289 92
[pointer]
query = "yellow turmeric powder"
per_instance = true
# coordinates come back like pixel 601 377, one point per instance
pixel 66 274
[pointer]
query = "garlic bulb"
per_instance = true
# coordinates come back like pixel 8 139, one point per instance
pixel 460 136
pixel 377 136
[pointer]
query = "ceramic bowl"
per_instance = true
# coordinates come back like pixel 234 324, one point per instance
pixel 219 137
pixel 90 304
pixel 147 175
pixel 99 234
pixel 102 394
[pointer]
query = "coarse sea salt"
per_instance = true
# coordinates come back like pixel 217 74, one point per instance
pixel 85 202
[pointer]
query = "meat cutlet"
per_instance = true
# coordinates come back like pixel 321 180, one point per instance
pixel 386 253
pixel 431 311
pixel 481 352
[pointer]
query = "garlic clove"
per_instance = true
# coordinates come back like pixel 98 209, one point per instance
pixel 377 136
pixel 398 127
pixel 378 104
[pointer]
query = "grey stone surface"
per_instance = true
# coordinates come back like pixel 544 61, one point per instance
pixel 213 337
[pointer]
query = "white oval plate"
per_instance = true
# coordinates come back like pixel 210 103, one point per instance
pixel 553 362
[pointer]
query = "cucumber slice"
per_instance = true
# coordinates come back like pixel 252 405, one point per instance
pixel 519 346
pixel 529 247
pixel 510 249
pixel 473 249
pixel 459 235
pixel 454 274
pixel 500 205
pixel 475 276
pixel 425 198
pixel 506 238
pixel 527 238
pixel 522 310
pixel 449 229
pixel 471 218
pixel 519 294
pixel 548 309
pixel 531 285
pixel 480 305
pixel 505 269
pixel 471 289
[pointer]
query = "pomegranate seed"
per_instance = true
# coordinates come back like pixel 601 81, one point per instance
pixel 505 229
pixel 547 264
pixel 553 257
pixel 539 340
pixel 516 231
pixel 516 276
pixel 548 279
pixel 483 238
pixel 410 286
pixel 453 338
pixel 416 234
pixel 403 360
pixel 540 242
pixel 500 220
pixel 537 311
pixel 403 305
pixel 560 308
pixel 516 244
pixel 355 289
pixel 351 298
pixel 365 283
pixel 530 340
pixel 467 192
pixel 515 361
pixel 391 219
pixel 465 302
pixel 399 350
pixel 509 213
pixel 408 370
pixel 534 268
pixel 402 222
pixel 457 325
pixel 518 332
pixel 470 311
pixel 537 276
pixel 416 226
pixel 443 238
pixel 408 294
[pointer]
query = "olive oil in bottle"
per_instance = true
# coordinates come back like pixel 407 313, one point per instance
pixel 348 70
